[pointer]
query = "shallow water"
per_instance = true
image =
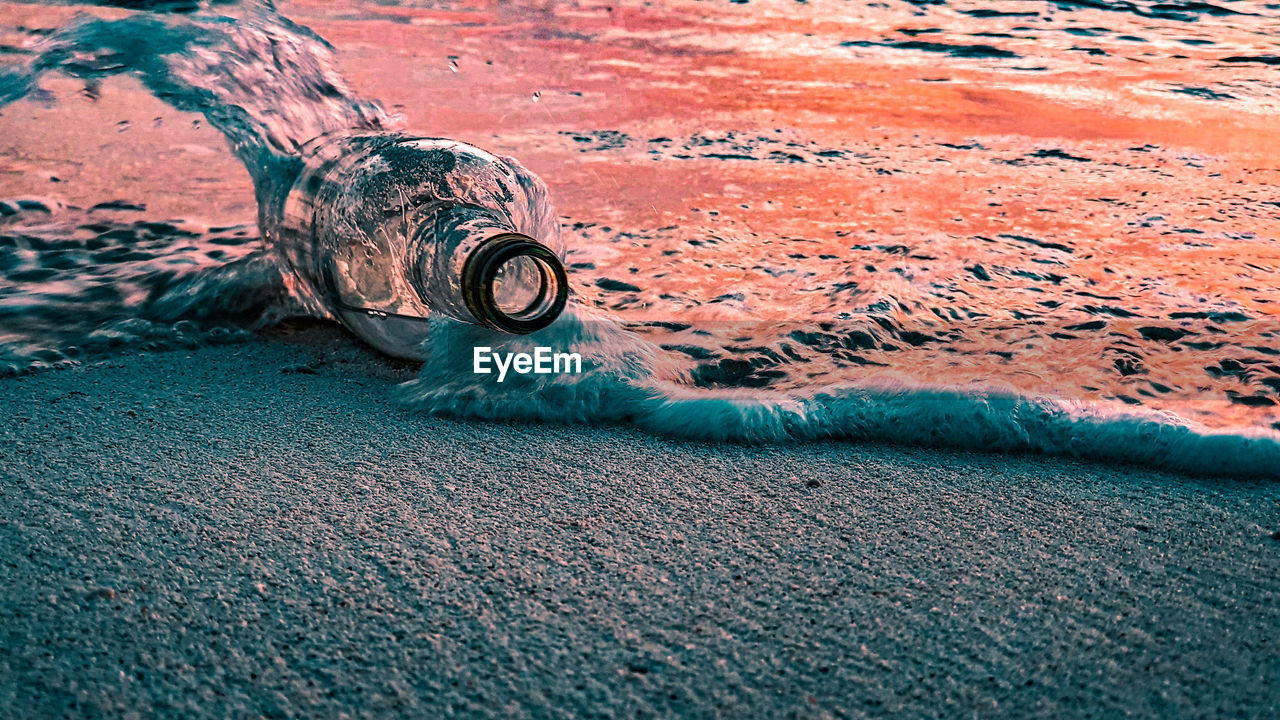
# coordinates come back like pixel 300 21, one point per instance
pixel 1007 200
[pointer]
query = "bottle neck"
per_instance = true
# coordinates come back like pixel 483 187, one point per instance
pixel 474 266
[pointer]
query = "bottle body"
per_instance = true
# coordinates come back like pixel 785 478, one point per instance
pixel 382 229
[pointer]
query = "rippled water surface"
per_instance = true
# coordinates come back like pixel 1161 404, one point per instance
pixel 1073 198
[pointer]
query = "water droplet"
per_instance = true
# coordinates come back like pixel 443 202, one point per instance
pixel 453 63
pixel 536 95
pixel 123 126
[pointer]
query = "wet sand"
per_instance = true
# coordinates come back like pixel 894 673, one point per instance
pixel 257 529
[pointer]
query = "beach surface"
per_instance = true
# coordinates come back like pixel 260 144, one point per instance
pixel 257 529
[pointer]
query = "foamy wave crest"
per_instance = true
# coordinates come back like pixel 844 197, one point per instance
pixel 629 381
pixel 621 373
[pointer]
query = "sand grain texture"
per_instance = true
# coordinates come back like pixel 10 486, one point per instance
pixel 258 530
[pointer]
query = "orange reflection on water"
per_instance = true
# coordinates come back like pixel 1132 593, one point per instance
pixel 1083 206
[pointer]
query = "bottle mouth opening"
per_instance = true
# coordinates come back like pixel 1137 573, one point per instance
pixel 514 283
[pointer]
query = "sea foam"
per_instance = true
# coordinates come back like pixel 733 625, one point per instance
pixel 629 381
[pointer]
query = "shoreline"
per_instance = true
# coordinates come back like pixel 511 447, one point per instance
pixel 257 528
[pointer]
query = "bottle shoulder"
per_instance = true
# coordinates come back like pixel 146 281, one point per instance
pixel 416 164
pixel 403 146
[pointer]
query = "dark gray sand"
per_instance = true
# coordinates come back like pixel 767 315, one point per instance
pixel 257 529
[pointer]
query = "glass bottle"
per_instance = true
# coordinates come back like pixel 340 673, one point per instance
pixel 382 229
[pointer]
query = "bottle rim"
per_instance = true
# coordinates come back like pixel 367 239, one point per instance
pixel 480 271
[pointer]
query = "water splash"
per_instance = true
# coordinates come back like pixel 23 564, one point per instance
pixel 266 83
pixel 80 281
